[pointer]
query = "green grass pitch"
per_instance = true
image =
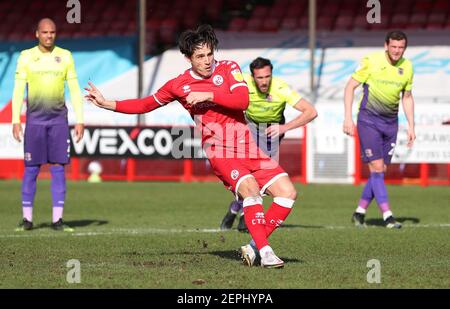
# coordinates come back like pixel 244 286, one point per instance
pixel 165 235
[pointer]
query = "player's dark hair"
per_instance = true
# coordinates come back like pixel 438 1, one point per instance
pixel 396 35
pixel 260 63
pixel 190 40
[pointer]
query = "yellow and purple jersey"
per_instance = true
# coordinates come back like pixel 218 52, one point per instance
pixel 45 75
pixel 269 107
pixel 383 83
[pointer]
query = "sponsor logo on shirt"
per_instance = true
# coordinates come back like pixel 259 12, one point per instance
pixel 218 80
pixel 237 74
pixel 186 89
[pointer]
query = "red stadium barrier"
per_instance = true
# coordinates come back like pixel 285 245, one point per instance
pixel 133 169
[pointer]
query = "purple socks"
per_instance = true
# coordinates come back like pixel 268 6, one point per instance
pixel 379 191
pixel 236 206
pixel 366 196
pixel 375 188
pixel 29 191
pixel 58 189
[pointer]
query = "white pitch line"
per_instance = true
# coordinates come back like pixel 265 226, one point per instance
pixel 123 231
pixel 26 234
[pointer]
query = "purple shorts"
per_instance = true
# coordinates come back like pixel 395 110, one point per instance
pixel 46 144
pixel 377 136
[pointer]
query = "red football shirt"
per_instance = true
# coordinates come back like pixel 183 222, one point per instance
pixel 221 122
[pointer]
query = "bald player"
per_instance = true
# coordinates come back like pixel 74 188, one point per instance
pixel 385 75
pixel 44 69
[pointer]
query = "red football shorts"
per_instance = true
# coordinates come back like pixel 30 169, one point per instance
pixel 233 170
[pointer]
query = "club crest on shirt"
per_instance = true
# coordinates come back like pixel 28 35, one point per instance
pixel 237 74
pixel 234 174
pixel 269 98
pixel 27 156
pixel 368 152
pixel 218 80
pixel 58 59
pixel 400 71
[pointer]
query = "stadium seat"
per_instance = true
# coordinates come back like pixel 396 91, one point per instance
pixel 436 21
pixel 237 24
pixel 442 5
pixel 399 21
pixel 288 24
pixel 325 23
pixel 277 12
pixel 282 3
pixel 417 21
pixel 360 23
pixel 330 9
pixel 347 12
pixel 190 21
pixel 168 31
pixel 343 22
pixel 153 24
pixel 402 7
pixel 254 24
pixel 422 6
pixel 303 23
pixel 296 10
pixel 213 12
pixel 271 24
pixel 260 11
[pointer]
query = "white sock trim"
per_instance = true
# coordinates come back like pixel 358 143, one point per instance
pixel 387 214
pixel 361 210
pixel 252 201
pixel 283 201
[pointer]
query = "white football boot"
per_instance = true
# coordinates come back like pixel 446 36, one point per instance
pixel 270 260
pixel 248 255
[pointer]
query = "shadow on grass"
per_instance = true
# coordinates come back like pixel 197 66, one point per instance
pixel 292 226
pixel 235 255
pixel 380 222
pixel 303 226
pixel 74 223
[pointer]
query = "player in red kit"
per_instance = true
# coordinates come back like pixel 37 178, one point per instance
pixel 215 94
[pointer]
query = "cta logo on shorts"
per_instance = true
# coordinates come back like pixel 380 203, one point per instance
pixel 234 174
pixel 27 156
pixel 368 152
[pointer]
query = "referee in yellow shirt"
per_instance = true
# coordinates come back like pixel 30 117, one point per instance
pixel 265 117
pixel 44 69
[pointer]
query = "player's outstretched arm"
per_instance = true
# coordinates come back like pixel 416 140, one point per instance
pixel 95 97
pixel 131 106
